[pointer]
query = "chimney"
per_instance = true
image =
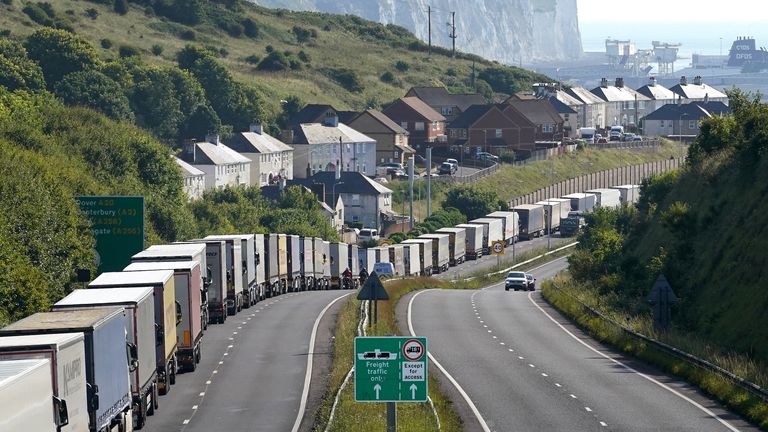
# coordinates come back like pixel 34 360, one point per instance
pixel 212 138
pixel 256 128
pixel 697 80
pixel 286 136
pixel 604 83
pixel 683 80
pixel 188 152
pixel 653 82
pixel 619 82
pixel 331 120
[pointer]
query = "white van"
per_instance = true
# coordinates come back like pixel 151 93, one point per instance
pixel 367 234
pixel 384 269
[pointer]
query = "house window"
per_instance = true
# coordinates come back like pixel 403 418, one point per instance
pixel 404 125
pixel 641 105
pixel 435 125
pixel 691 124
pixel 419 126
pixel 355 218
pixel 446 110
pixel 498 133
pixel 355 198
pixel 661 123
pixel 397 154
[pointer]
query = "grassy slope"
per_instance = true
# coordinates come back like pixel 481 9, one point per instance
pixel 332 49
pixel 723 285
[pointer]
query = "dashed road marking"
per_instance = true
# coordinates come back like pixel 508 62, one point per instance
pixel 203 393
pixel 588 409
pixel 544 375
pixel 185 421
pixel 194 407
pixel 531 365
pixel 573 396
pixel 603 424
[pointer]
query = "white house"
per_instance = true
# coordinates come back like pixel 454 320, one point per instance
pixel 324 146
pixel 698 91
pixel 592 111
pixel 222 165
pixel 194 179
pixel 624 106
pixel 682 119
pixel 271 159
pixel 658 95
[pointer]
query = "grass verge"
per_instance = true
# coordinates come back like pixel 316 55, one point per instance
pixel 351 415
pixel 563 297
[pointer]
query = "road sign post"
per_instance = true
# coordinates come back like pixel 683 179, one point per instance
pixel 662 298
pixel 497 248
pixel 373 290
pixel 391 369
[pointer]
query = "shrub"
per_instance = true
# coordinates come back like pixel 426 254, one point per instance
pixel 7 2
pixel 106 43
pixel 157 49
pixel 253 59
pixel 302 35
pixel 402 66
pixel 121 7
pixel 304 57
pixel 274 61
pixel 92 13
pixel 387 77
pixel 250 28
pixel 5 33
pixel 128 51
pixel 188 35
pixel 347 78
pixel 507 157
pixel 269 49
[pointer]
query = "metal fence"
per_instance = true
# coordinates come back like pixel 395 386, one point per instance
pixel 651 143
pixel 455 179
pixel 742 383
pixel 632 174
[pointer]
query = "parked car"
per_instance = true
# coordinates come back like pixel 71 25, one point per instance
pixel 628 137
pixel 516 281
pixel 367 234
pixel 487 157
pixel 453 162
pixel 637 138
pixel 602 140
pixel 447 168
pixel 531 282
pixel 393 169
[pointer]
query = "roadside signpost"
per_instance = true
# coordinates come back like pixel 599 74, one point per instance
pixel 497 248
pixel 373 290
pixel 662 298
pixel 390 369
pixel 117 223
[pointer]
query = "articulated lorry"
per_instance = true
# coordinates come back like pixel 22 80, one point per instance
pixel 397 258
pixel 493 230
pixel 510 225
pixel 581 202
pixel 339 259
pixel 294 262
pixel 309 274
pixel 554 210
pixel 628 194
pixel 106 361
pixel 441 255
pixel 425 261
pixel 167 315
pixel 65 377
pixel 457 244
pixel 606 198
pixel 27 402
pixel 367 258
pixel 411 259
pixel 475 240
pixel 139 305
pixel 237 272
pixel 531 220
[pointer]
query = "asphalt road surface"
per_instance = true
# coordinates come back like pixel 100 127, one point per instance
pixel 526 368
pixel 252 372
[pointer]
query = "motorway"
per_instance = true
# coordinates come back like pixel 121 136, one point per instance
pixel 527 368
pixel 253 370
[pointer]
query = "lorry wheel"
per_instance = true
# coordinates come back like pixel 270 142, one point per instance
pixel 199 353
pixel 172 377
pixel 151 404
pixel 192 365
pixel 141 416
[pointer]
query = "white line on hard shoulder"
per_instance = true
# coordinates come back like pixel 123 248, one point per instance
pixel 310 355
pixel 453 381
pixel 631 369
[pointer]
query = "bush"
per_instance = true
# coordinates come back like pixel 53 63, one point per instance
pixel 5 33
pixel 402 66
pixel 387 77
pixel 92 13
pixel 253 59
pixel 188 35
pixel 269 49
pixel 106 43
pixel 157 49
pixel 274 61
pixel 121 7
pixel 302 35
pixel 128 51
pixel 8 2
pixel 507 157
pixel 234 29
pixel 347 78
pixel 304 57
pixel 250 28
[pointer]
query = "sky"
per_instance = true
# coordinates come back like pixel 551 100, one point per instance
pixel 595 11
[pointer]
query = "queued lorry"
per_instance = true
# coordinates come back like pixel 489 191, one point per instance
pixel 167 315
pixel 294 263
pixel 606 197
pixel 555 209
pixel 425 261
pixel 27 401
pixel 493 231
pixel 108 389
pixel 581 202
pixel 216 293
pixel 272 267
pixel 397 258
pixel 628 194
pixel 457 244
pixel 307 263
pixel 65 376
pixel 441 255
pixel 510 225
pixel 339 257
pixel 189 331
pixel 258 255
pixel 184 252
pixel 531 220
pixel 367 258
pixel 139 305
pixel 475 240
pixel 411 259
pixel 237 271
pixel 354 265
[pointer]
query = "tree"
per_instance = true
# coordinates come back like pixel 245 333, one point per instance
pixel 17 71
pixel 472 202
pixel 121 7
pixel 201 122
pixel 60 53
pixel 95 90
pixel 274 61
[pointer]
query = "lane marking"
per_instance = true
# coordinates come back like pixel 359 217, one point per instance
pixel 603 424
pixel 310 355
pixel 194 407
pixel 631 369
pixel 453 381
pixel 588 409
pixel 574 396
pixel 185 421
pixel 544 375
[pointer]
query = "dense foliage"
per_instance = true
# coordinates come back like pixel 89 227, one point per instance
pixel 473 202
pixel 448 217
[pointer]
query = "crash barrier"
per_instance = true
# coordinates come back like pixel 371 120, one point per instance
pixel 514 266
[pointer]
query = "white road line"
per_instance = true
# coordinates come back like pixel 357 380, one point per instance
pixel 544 375
pixel 531 365
pixel 310 354
pixel 588 409
pixel 574 396
pixel 185 421
pixel 631 369
pixel 453 381
pixel 194 407
pixel 604 424
pixel 558 385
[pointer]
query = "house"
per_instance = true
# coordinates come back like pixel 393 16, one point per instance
pixel 592 112
pixel 425 126
pixel 194 179
pixel 391 138
pixel 366 203
pixel 698 91
pixel 569 116
pixel 569 107
pixel 623 105
pixel 658 95
pixel 447 104
pixel 331 146
pixel 333 214
pixel 222 165
pixel 317 113
pixel 684 119
pixel 541 113
pixel 484 128
pixel 271 159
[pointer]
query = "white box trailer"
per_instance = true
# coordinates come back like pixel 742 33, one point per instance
pixel 425 255
pixel 238 273
pixel 183 252
pixel 492 231
pixel 441 255
pixel 108 384
pixel 397 258
pixel 510 224
pixel 354 264
pixel 326 252
pixel 457 244
pixel 307 263
pixel 258 257
pixel 367 258
pixel 581 202
pixel 294 262
pixel 531 220
pixel 411 258
pixel 282 261
pixel 189 331
pixel 554 210
pixel 322 266
pixel 628 194
pixel 606 197
pixel 139 305
pixel 339 253
pixel 382 254
pixel 26 397
pixel 66 352
pixel 474 240
pixel 271 268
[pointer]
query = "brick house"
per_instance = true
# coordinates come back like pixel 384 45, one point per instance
pixel 424 124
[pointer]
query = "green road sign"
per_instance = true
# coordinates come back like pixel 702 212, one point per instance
pixel 117 223
pixel 391 369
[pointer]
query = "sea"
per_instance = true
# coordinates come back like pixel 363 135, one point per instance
pixel 710 38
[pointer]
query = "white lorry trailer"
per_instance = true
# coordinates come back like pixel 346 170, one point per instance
pixel 629 194
pixel 531 220
pixel 237 274
pixel 441 255
pixel 26 396
pixel 493 230
pixel 397 258
pixel 510 224
pixel 411 259
pixel 457 244
pixel 554 210
pixel 475 240
pixel 425 260
pixel 581 202
pixel 606 197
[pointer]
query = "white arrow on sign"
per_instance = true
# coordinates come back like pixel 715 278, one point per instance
pixel 377 389
pixel 413 391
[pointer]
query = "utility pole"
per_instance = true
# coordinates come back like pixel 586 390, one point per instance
pixel 453 33
pixel 410 189
pixel 341 156
pixel 429 181
pixel 429 29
